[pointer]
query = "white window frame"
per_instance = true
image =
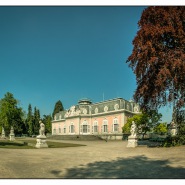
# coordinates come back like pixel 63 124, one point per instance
pixel 95 124
pixel 115 122
pixel 64 129
pixel 54 131
pixel 59 130
pixel 105 123
pixel 85 123
pixel 70 128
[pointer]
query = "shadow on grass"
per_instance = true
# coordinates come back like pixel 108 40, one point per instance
pixel 139 167
pixel 13 145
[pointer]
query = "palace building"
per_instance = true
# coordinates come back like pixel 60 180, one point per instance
pixel 87 118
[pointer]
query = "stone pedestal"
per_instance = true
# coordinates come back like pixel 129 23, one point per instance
pixel 12 135
pixel 3 134
pixel 41 142
pixel 132 141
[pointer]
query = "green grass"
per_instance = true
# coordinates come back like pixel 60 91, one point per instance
pixel 23 144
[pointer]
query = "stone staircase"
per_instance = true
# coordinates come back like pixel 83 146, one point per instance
pixel 75 137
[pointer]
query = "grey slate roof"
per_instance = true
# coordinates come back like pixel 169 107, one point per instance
pixel 91 107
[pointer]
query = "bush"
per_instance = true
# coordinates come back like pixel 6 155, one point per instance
pixel 171 141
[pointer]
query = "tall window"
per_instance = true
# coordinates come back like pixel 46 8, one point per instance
pixel 54 131
pixel 72 128
pixel 115 125
pixel 85 127
pixel 105 126
pixel 95 126
pixel 59 130
pixel 64 130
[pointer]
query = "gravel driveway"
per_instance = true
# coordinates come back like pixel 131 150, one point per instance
pixel 97 160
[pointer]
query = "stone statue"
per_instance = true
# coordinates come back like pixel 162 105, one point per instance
pixel 3 133
pixel 41 138
pixel 42 128
pixel 133 129
pixel 132 139
pixel 173 129
pixel 12 135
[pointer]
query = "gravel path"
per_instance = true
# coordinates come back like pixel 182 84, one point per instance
pixel 97 160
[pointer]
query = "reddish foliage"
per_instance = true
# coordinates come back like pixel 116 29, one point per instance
pixel 158 57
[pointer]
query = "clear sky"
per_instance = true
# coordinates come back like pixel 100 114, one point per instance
pixel 67 53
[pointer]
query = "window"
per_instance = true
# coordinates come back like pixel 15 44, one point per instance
pixel 96 110
pixel 95 126
pixel 116 107
pixel 59 130
pixel 71 128
pixel 85 127
pixel 115 125
pixel 106 109
pixel 64 130
pixel 54 131
pixel 105 126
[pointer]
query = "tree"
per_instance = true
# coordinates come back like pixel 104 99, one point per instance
pixel 47 121
pixel 144 122
pixel 29 120
pixel 58 107
pixel 11 114
pixel 36 119
pixel 158 57
pixel 161 128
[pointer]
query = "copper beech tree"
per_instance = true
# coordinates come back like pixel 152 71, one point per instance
pixel 158 57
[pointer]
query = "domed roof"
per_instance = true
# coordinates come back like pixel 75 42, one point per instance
pixel 84 101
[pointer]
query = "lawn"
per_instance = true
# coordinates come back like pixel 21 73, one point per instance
pixel 30 144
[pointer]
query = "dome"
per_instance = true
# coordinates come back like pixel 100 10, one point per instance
pixel 84 101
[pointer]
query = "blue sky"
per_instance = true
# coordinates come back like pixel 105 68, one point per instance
pixel 66 53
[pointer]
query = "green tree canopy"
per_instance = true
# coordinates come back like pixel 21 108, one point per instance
pixel 58 107
pixel 29 121
pixel 144 122
pixel 11 114
pixel 47 121
pixel 160 128
pixel 36 119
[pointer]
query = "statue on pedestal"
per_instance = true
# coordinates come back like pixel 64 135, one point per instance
pixel 3 133
pixel 12 135
pixel 132 139
pixel 173 129
pixel 133 129
pixel 41 138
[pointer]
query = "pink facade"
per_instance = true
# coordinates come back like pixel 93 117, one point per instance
pixel 107 117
